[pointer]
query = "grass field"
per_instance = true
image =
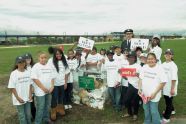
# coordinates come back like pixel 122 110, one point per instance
pixel 83 114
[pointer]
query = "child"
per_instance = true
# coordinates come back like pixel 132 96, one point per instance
pixel 20 86
pixel 118 56
pixel 29 65
pixel 72 64
pixel 92 60
pixel 79 71
pixel 113 80
pixel 43 79
pixel 124 82
pixel 152 80
pixel 138 51
pixel 170 89
pixel 156 49
pixel 60 69
pixel 143 59
pixel 132 98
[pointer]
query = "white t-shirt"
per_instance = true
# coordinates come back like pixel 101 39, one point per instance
pixel 134 80
pixel 151 78
pixel 124 63
pixel 59 76
pixel 44 74
pixel 157 51
pixel 72 64
pixel 93 58
pixel 113 77
pixel 171 70
pixel 21 81
pixel 118 58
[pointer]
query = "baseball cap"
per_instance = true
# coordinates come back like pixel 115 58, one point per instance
pixel 27 56
pixel 156 36
pixel 143 55
pixel 131 54
pixel 110 52
pixel 19 59
pixel 170 51
pixel 128 31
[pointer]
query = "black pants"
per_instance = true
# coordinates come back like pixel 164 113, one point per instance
pixel 169 107
pixel 123 95
pixel 68 94
pixel 132 100
pixel 33 108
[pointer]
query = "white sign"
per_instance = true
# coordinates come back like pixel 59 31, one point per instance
pixel 143 43
pixel 85 43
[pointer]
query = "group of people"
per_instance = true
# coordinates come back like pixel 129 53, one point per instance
pixel 43 89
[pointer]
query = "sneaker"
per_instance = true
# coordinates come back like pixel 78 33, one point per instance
pixel 173 112
pixel 165 121
pixel 69 106
pixel 126 116
pixel 134 117
pixel 66 107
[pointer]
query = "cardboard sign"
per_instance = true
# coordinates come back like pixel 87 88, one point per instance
pixel 85 43
pixel 128 72
pixel 86 82
pixel 143 43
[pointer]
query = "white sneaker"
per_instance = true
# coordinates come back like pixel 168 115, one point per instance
pixel 66 107
pixel 173 112
pixel 69 106
pixel 165 121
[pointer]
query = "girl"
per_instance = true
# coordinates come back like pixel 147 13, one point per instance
pixel 132 98
pixel 72 64
pixel 81 67
pixel 170 89
pixel 138 51
pixel 92 60
pixel 143 59
pixel 43 79
pixel 118 56
pixel 152 81
pixel 20 86
pixel 59 66
pixel 29 65
pixel 156 49
pixel 113 80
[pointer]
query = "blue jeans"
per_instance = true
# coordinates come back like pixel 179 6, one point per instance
pixel 58 95
pixel 115 94
pixel 24 113
pixel 42 108
pixel 151 111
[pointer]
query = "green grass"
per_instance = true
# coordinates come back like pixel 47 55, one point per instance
pixel 107 115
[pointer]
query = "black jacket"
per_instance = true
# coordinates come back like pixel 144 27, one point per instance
pixel 125 46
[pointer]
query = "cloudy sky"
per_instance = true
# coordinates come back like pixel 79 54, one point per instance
pixel 92 16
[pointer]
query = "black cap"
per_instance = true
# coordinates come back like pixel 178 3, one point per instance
pixel 27 56
pixel 170 51
pixel 19 59
pixel 110 52
pixel 128 31
pixel 131 54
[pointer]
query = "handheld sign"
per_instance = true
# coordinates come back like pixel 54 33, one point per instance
pixel 86 43
pixel 128 72
pixel 143 43
pixel 86 82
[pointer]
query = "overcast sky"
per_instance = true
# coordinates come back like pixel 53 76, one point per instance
pixel 92 16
